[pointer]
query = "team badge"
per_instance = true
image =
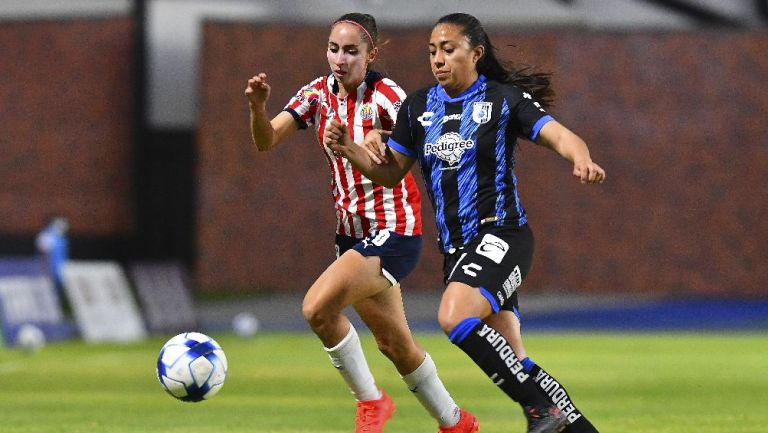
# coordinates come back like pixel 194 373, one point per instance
pixel 310 95
pixel 481 112
pixel 366 112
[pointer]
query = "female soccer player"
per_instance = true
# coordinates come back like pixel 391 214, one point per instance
pixel 463 132
pixel 378 237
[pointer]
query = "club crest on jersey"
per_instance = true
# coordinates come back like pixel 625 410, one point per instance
pixel 366 112
pixel 481 112
pixel 309 95
pixel 449 147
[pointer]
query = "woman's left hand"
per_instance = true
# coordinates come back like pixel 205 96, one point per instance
pixel 588 172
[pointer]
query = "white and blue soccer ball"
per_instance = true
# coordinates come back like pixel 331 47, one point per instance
pixel 30 338
pixel 192 367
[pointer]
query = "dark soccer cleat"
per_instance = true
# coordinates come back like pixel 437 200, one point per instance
pixel 544 419
pixel 373 414
pixel 467 424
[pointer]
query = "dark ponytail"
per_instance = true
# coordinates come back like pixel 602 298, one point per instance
pixel 539 84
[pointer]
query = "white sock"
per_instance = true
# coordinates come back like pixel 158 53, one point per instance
pixel 349 360
pixel 431 393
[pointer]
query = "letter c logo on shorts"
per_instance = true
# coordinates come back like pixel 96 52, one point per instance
pixel 493 247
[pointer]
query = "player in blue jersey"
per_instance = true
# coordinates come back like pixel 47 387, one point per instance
pixel 463 132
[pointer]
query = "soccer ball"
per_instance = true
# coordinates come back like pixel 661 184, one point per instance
pixel 30 338
pixel 246 325
pixel 192 367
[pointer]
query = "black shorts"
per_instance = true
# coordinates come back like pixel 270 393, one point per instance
pixel 496 261
pixel 398 253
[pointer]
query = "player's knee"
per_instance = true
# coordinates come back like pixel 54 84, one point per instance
pixel 314 313
pixel 448 319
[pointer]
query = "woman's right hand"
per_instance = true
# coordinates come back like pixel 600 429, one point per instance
pixel 375 146
pixel 258 90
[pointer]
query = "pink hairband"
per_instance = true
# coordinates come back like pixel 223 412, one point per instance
pixel 373 44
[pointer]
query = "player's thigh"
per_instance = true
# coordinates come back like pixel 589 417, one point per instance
pixel 346 281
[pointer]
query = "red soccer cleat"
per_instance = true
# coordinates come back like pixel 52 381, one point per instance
pixel 467 424
pixel 373 414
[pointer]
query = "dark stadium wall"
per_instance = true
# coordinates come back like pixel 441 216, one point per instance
pixel 66 107
pixel 74 143
pixel 676 119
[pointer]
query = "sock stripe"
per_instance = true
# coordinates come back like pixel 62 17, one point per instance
pixel 528 364
pixel 460 332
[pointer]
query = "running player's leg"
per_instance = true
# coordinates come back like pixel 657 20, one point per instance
pixel 385 317
pixel 508 323
pixel 462 311
pixel 482 278
pixel 347 280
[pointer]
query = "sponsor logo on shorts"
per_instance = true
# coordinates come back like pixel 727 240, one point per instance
pixel 493 247
pixel 512 282
pixel 377 238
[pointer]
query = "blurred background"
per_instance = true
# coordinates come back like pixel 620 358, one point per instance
pixel 127 119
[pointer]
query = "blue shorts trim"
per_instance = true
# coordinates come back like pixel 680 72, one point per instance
pixel 491 299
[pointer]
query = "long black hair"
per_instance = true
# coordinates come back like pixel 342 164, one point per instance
pixel 539 84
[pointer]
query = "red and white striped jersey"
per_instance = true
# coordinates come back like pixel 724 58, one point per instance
pixel 361 205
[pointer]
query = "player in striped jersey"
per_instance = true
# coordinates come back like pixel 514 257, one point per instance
pixel 378 235
pixel 463 131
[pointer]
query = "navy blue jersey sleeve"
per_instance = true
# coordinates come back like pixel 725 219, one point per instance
pixel 529 114
pixel 403 137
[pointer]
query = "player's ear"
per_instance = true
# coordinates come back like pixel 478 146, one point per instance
pixel 372 55
pixel 477 53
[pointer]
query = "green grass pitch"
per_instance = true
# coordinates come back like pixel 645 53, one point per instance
pixel 283 383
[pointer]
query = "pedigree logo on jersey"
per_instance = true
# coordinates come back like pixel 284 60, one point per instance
pixel 449 147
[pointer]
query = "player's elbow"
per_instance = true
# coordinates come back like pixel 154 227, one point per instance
pixel 387 181
pixel 264 145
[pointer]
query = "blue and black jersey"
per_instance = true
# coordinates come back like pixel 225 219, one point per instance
pixel 465 147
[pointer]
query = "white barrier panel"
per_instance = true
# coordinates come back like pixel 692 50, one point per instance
pixel 102 303
pixel 26 299
pixel 164 296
